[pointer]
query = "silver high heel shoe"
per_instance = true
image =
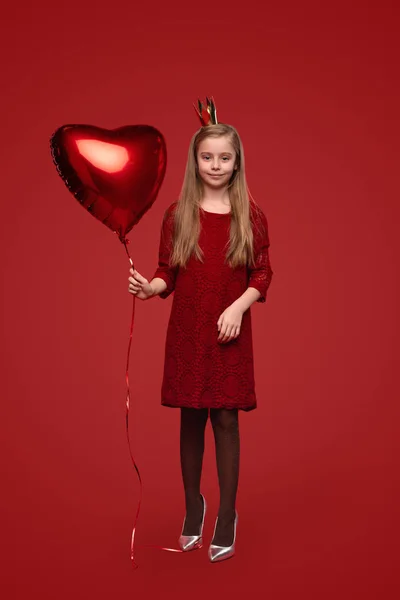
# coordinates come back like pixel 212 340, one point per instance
pixel 218 553
pixel 193 542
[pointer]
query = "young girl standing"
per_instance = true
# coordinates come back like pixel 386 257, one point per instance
pixel 214 255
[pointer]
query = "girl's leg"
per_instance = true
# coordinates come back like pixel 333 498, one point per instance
pixel 225 425
pixel 193 424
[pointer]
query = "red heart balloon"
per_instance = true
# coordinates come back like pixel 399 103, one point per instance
pixel 115 174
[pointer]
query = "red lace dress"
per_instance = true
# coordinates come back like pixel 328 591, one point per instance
pixel 199 371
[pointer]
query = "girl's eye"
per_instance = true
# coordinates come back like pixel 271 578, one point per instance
pixel 223 158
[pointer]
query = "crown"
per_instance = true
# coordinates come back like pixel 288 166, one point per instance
pixel 207 114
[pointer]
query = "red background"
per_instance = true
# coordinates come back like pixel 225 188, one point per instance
pixel 313 90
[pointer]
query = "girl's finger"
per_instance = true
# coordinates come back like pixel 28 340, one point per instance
pixel 231 333
pixel 225 334
pixel 134 282
pixel 139 277
pixel 134 273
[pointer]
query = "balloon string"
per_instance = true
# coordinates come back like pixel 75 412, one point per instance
pixel 128 397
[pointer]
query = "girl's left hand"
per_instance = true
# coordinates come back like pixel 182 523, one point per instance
pixel 229 324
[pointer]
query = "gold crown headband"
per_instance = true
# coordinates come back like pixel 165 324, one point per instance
pixel 208 113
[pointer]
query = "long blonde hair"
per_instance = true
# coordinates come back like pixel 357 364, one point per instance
pixel 187 211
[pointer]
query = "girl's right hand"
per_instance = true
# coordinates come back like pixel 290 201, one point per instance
pixel 139 286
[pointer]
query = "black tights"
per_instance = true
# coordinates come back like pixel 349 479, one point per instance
pixel 225 426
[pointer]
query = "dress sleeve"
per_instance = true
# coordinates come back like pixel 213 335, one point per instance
pixel 260 274
pixel 164 270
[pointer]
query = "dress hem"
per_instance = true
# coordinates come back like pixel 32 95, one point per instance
pixel 227 407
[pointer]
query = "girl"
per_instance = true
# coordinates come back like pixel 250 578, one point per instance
pixel 214 255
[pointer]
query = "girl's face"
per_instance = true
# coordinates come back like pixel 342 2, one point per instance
pixel 216 160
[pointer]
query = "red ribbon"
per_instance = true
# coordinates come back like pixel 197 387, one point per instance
pixel 128 397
